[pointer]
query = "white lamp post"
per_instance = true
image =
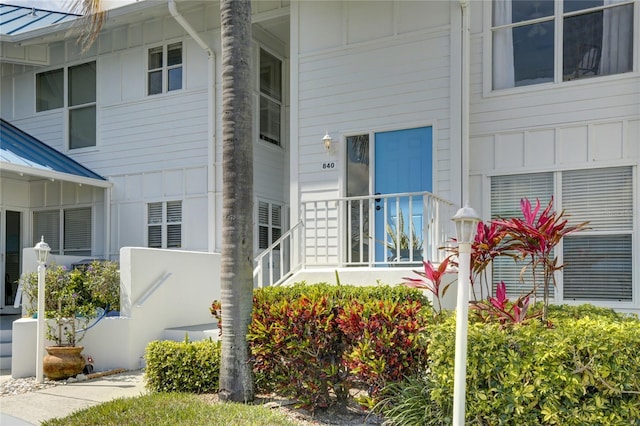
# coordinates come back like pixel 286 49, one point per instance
pixel 466 220
pixel 42 253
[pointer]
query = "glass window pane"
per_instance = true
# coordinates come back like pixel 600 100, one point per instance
pixel 154 213
pixel 270 75
pixel 598 267
pixel 174 54
pixel 155 236
pixel 174 236
pixel 582 45
pixel 82 127
pixel 269 121
pixel 155 58
pixel 533 53
pixel 263 237
pixel 175 78
pixel 507 11
pixel 174 211
pixel 155 82
pixel 49 90
pixel 47 224
pixel 575 5
pixel 82 84
pixel 77 231
pixel 617 40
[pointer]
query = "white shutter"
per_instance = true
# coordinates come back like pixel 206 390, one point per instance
pixel 599 261
pixel 263 225
pixel 47 224
pixel 77 232
pixel 154 213
pixel 506 193
pixel 174 229
pixel 154 228
pixel 174 211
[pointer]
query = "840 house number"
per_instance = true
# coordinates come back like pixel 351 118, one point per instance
pixel 329 165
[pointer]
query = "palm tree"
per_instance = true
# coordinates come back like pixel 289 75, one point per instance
pixel 236 379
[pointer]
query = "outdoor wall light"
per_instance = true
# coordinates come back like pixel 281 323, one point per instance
pixel 327 142
pixel 466 220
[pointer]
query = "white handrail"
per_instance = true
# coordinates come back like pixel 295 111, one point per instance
pixel 289 262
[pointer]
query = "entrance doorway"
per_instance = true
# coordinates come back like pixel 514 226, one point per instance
pixel 11 259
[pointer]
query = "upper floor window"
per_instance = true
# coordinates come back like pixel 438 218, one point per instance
pixel 74 234
pixel 164 68
pixel 596 38
pixel 270 97
pixel 80 100
pixel 164 224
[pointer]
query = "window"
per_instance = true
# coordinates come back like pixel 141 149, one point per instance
pixel 270 97
pixel 164 224
pixel 269 223
pixel 80 100
pixel 164 69
pixel 596 38
pixel 598 261
pixel 49 90
pixel 506 193
pixel 82 105
pixel 75 233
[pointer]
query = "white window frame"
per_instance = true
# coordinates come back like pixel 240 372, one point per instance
pixel 58 246
pixel 558 23
pixel 66 103
pixel 164 223
pixel 260 95
pixel 633 231
pixel 165 68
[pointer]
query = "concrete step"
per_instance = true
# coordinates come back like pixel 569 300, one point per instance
pixel 194 332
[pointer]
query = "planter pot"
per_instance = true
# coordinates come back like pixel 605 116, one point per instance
pixel 63 362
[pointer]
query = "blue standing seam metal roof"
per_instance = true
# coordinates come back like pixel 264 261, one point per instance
pixel 18 19
pixel 20 148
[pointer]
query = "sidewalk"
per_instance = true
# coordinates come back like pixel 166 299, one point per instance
pixel 31 408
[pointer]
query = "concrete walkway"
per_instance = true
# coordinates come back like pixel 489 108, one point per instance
pixel 32 408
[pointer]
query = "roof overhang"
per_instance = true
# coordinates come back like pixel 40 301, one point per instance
pixel 52 175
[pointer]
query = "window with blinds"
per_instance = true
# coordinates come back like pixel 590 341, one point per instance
pixel 506 193
pixel 75 232
pixel 164 224
pixel 269 224
pixel 599 260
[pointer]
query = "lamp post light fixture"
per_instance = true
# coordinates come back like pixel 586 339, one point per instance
pixel 327 142
pixel 42 250
pixel 466 220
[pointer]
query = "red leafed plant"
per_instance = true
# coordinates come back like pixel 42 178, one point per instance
pixel 535 236
pixel 431 280
pixel 501 309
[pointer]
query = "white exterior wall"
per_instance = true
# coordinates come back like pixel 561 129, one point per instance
pixel 363 67
pixel 578 124
pixel 163 147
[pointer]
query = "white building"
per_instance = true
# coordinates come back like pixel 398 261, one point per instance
pixel 444 100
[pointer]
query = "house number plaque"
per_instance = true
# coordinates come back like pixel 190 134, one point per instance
pixel 329 165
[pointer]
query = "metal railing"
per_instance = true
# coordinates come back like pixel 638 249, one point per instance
pixel 367 231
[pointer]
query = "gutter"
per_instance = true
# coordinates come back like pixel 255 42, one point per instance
pixel 464 102
pixel 212 165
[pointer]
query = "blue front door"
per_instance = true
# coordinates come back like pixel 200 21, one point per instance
pixel 403 164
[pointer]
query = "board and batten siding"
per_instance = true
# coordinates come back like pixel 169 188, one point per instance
pixel 365 67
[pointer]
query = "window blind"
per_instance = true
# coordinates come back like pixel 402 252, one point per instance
pixel 47 224
pixel 77 231
pixel 506 193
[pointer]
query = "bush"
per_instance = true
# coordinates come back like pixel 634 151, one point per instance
pixel 584 368
pixel 183 366
pixel 315 342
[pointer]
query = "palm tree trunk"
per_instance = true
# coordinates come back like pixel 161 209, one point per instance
pixel 236 380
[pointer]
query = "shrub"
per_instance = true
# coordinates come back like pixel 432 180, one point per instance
pixel 182 366
pixel 583 369
pixel 314 342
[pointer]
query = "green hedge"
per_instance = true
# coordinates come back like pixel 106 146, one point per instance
pixel 315 342
pixel 182 366
pixel 583 368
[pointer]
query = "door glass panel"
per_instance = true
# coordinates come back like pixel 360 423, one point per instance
pixel 358 210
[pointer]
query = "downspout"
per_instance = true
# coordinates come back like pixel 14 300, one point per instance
pixel 212 165
pixel 464 103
